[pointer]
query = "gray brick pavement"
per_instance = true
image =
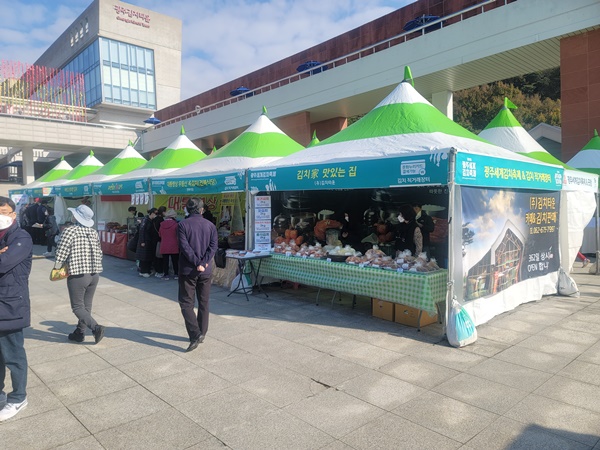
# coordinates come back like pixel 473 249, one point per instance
pixel 283 373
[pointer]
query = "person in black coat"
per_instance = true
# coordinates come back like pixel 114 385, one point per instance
pixel 15 312
pixel 146 246
pixel 197 246
pixel 157 262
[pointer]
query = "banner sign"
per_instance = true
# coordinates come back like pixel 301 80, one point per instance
pixel 508 236
pixel 480 170
pixel 576 180
pixel 230 182
pixel 421 170
pixel 121 187
pixel 75 190
pixel 220 205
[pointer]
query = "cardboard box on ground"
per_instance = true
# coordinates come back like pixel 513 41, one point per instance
pixel 403 314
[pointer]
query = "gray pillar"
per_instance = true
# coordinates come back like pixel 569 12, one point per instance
pixel 27 159
pixel 443 102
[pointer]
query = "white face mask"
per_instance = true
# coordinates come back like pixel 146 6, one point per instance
pixel 400 218
pixel 5 222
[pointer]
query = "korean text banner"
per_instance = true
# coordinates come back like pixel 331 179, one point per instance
pixel 78 190
pixel 479 170
pixel 508 236
pixel 419 170
pixel 231 182
pixel 121 187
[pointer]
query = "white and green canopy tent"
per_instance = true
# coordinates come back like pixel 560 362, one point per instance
pixel 405 141
pixel 86 167
pixel 225 169
pixel 588 158
pixel 578 190
pixel 180 153
pixel 126 161
pixel 34 189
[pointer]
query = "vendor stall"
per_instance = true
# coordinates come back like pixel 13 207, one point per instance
pixel 418 290
pixel 220 178
pixel 578 190
pixel 404 143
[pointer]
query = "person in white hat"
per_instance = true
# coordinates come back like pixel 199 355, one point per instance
pixel 79 248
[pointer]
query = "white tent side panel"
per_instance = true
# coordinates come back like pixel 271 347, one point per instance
pixel 580 207
pixel 484 309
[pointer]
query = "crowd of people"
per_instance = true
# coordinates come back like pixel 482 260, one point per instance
pixel 189 246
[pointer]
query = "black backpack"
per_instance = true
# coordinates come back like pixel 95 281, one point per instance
pixel 220 258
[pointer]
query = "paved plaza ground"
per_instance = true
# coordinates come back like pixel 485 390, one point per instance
pixel 283 373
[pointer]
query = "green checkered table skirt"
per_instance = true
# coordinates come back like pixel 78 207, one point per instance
pixel 419 290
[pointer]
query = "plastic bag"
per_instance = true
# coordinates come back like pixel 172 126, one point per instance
pixel 244 286
pixel 566 284
pixel 461 330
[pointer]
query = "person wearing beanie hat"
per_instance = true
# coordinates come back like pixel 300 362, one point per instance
pixel 169 246
pixel 79 247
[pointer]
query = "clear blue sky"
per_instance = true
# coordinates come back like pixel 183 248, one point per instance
pixel 222 39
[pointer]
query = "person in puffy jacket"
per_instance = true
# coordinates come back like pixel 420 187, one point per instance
pixel 146 245
pixel 169 245
pixel 15 312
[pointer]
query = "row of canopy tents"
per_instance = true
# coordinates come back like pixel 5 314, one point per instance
pixel 404 141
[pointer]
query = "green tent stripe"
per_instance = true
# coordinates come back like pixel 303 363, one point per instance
pixel 400 118
pixel 594 144
pixel 545 157
pixel 53 175
pixel 254 145
pixel 82 171
pixel 120 166
pixel 171 158
pixel 504 118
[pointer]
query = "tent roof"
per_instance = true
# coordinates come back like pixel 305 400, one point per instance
pixel 57 172
pixel 588 158
pixel 402 124
pixel 261 143
pixel 314 141
pixel 86 167
pixel 89 165
pixel 180 153
pixel 127 160
pixel 506 131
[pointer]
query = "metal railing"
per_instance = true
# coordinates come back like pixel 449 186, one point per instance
pixel 358 54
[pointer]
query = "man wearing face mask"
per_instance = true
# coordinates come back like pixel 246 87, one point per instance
pixel 15 266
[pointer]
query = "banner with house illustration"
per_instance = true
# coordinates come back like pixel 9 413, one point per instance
pixel 507 237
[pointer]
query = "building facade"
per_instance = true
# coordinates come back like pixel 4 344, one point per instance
pixel 130 58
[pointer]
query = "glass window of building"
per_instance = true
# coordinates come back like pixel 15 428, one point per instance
pixel 116 72
pixel 126 74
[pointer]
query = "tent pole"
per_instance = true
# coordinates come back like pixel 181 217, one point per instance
pixel 450 295
pixel 597 239
pixel 249 244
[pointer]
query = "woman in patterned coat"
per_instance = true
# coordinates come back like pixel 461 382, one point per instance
pixel 79 248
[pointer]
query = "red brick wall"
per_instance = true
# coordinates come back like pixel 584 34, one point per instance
pixel 363 36
pixel 580 90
